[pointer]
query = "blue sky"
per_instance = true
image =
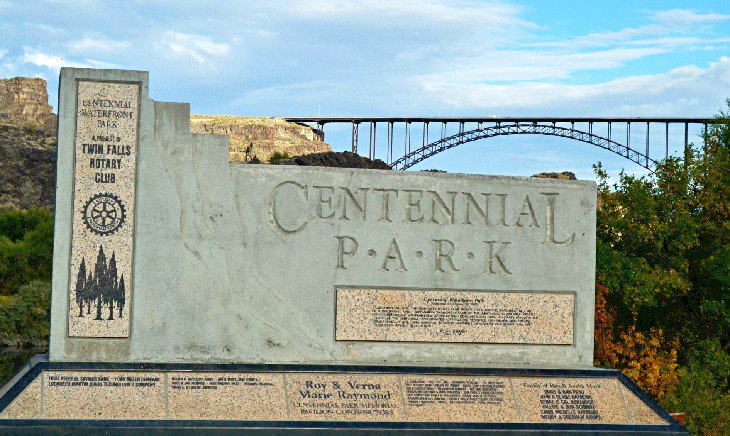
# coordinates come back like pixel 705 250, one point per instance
pixel 399 58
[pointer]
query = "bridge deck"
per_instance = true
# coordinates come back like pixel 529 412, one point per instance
pixel 584 129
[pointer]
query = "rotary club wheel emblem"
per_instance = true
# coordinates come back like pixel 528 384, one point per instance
pixel 104 214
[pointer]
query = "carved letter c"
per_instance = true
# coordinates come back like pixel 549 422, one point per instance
pixel 274 219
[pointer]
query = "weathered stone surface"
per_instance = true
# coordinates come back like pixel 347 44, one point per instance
pixel 264 135
pixel 239 263
pixel 27 168
pixel 24 102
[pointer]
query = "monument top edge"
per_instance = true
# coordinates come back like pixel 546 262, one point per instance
pixel 104 74
pixel 585 184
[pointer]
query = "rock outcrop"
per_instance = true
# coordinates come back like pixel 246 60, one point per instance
pixel 345 159
pixel 24 103
pixel 565 175
pixel 27 168
pixel 264 136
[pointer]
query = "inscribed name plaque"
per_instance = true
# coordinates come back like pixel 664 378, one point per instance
pixel 375 395
pixel 340 397
pixel 103 199
pixel 226 395
pixel 87 394
pixel 455 316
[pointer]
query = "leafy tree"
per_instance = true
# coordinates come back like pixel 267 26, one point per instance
pixel 26 248
pixel 663 246
pixel 648 359
pixel 663 275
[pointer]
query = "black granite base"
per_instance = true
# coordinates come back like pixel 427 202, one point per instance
pixel 218 427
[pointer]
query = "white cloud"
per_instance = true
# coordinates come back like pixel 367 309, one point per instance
pixel 408 12
pixel 52 62
pixel 55 62
pixel 685 17
pixel 514 65
pixel 47 29
pixel 197 47
pixel 668 29
pixel 97 45
pixel 680 90
pixel 92 63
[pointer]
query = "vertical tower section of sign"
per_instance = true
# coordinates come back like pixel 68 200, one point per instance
pixel 107 123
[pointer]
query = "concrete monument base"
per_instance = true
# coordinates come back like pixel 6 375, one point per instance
pixel 69 397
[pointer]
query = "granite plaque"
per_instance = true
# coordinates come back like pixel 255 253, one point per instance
pixel 103 198
pixel 320 395
pixel 599 400
pixel 454 316
pixel 461 399
pixel 103 395
pixel 344 397
pixel 226 395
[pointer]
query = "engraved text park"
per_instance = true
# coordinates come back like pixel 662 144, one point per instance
pixel 417 207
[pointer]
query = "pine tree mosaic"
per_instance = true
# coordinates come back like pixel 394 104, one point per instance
pixel 100 288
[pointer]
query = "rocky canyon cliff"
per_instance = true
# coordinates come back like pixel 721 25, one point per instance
pixel 264 135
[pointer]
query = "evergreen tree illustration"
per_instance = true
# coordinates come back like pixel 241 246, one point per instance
pixel 89 292
pixel 99 281
pixel 110 285
pixel 80 286
pixel 120 295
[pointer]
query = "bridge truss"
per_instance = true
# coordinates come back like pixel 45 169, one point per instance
pixel 613 134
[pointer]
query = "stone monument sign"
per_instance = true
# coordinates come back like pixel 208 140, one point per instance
pixel 189 292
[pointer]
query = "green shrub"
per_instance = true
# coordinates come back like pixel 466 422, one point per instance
pixel 25 316
pixel 14 224
pixel 26 248
pixel 278 155
pixel 703 390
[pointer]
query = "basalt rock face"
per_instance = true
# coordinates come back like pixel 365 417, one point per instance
pixel 24 103
pixel 264 135
pixel 565 175
pixel 27 168
pixel 344 159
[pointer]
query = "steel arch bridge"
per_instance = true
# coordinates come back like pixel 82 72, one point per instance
pixel 612 134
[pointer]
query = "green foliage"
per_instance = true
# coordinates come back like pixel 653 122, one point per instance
pixel 663 245
pixel 25 316
pixel 278 155
pixel 663 253
pixel 14 224
pixel 703 391
pixel 26 248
